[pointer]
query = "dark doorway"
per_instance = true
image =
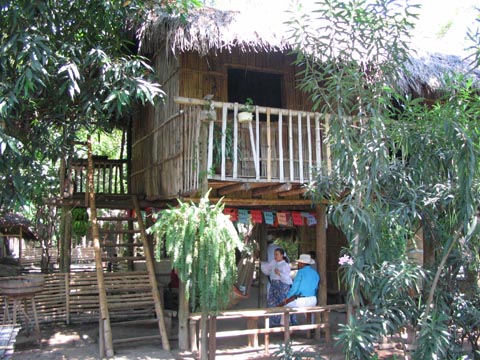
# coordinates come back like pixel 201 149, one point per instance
pixel 265 89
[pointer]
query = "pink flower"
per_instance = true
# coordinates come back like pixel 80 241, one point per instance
pixel 345 260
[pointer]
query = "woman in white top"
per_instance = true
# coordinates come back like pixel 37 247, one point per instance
pixel 280 281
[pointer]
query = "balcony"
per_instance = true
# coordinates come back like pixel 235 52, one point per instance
pixel 277 146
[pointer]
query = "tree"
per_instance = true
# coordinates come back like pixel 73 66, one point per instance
pixel 397 164
pixel 65 65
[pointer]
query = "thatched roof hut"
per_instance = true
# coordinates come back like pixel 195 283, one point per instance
pixel 13 224
pixel 207 30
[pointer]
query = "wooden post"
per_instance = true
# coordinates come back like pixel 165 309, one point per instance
pixel 212 339
pixel 252 323
pixel 102 294
pixel 321 251
pixel 183 313
pixel 65 239
pixel 262 290
pixel 193 336
pixel 67 298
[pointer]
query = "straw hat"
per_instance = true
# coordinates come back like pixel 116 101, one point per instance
pixel 306 259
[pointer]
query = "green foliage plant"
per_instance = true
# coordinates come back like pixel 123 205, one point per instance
pixel 396 163
pixel 200 241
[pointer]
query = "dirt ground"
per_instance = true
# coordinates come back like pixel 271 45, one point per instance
pixel 80 341
pixel 61 342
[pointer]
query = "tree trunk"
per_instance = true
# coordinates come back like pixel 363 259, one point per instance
pixel 65 239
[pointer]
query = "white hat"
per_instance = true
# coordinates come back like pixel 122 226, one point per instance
pixel 306 259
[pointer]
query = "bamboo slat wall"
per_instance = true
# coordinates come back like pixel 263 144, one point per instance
pixel 74 297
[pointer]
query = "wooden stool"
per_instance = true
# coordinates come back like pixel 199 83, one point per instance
pixel 17 302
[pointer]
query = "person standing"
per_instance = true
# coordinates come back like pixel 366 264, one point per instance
pixel 303 292
pixel 280 281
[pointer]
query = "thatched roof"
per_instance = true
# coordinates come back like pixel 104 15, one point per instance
pixel 10 224
pixel 207 30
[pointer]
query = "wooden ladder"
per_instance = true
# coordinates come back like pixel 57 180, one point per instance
pixel 105 331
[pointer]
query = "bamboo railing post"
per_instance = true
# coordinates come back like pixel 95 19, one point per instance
pixel 309 140
pixel 210 145
pixel 256 159
pixel 327 147
pixel 300 148
pixel 104 316
pixel 257 139
pixel 318 142
pixel 235 138
pixel 223 144
pixel 290 144
pixel 280 147
pixel 269 148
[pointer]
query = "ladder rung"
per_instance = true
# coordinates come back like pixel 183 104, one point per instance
pixel 116 218
pixel 105 231
pixel 124 258
pixel 141 338
pixel 123 245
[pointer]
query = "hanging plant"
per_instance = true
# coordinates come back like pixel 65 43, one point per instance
pixel 200 241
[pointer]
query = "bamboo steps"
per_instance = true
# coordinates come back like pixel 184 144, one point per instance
pixel 140 293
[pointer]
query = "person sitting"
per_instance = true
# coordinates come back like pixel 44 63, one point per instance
pixel 303 292
pixel 280 281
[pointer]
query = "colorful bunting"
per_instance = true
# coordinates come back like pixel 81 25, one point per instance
pixel 281 218
pixel 243 216
pixel 257 217
pixel 232 212
pixel 269 217
pixel 297 218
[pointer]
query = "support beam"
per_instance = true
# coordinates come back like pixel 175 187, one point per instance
pixel 272 189
pixel 234 188
pixel 257 202
pixel 297 191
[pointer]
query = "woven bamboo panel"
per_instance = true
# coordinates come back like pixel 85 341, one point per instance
pixel 50 303
pixel 128 294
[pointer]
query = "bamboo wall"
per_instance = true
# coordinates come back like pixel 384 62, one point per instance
pixel 161 136
pixel 148 139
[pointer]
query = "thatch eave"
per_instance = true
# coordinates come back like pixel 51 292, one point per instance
pixel 207 30
pixel 11 224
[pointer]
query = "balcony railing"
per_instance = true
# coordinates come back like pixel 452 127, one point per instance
pixel 109 176
pixel 279 145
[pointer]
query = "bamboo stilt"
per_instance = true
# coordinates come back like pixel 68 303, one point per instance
pixel 105 318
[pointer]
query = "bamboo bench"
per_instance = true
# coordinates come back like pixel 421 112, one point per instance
pixel 253 328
